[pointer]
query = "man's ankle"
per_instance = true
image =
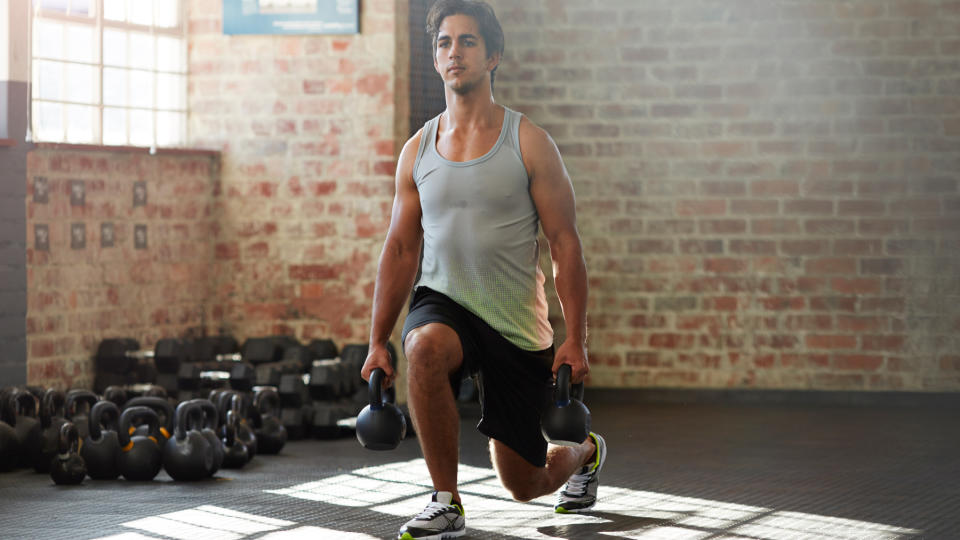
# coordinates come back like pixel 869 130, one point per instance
pixel 592 457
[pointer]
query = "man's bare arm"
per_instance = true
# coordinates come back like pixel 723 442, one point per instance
pixel 553 196
pixel 398 263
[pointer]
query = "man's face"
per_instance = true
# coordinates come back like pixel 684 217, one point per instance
pixel 461 54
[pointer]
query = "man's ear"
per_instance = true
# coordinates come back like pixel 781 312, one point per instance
pixel 493 61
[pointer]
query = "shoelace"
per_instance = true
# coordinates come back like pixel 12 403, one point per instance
pixel 433 510
pixel 577 484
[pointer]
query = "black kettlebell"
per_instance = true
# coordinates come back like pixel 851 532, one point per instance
pixel 567 422
pixel 271 435
pixel 102 447
pixel 67 467
pixel 187 455
pixel 164 411
pixel 208 423
pixel 239 403
pixel 116 394
pixel 77 410
pixel 140 455
pixel 380 425
pixel 51 418
pixel 9 443
pixel 236 454
pixel 25 408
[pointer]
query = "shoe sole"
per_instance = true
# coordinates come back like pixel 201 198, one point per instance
pixel 441 536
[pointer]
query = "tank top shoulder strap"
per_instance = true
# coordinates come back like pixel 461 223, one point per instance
pixel 512 120
pixel 427 136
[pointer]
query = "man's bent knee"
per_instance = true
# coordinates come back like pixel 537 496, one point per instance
pixel 433 348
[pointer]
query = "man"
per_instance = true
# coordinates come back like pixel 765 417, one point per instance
pixel 473 186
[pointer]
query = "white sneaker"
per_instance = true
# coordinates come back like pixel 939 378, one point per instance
pixel 580 493
pixel 442 518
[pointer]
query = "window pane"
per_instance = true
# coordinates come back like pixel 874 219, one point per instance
pixel 48 39
pixel 141 50
pixel 114 10
pixel 55 5
pixel 51 79
pixel 166 15
pixel 81 83
pixel 170 130
pixel 80 44
pixel 170 91
pixel 170 54
pixel 141 88
pixel 115 86
pixel 141 128
pixel 140 11
pixel 80 7
pixel 49 121
pixel 35 80
pixel 114 126
pixel 80 123
pixel 114 47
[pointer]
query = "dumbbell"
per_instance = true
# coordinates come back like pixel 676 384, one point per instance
pixel 207 348
pixel 323 349
pixel 328 379
pixel 293 390
pixel 298 355
pixel 326 418
pixel 269 374
pixel 112 355
pixel 297 421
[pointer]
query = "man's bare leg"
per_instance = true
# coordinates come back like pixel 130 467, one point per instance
pixel 433 352
pixel 525 481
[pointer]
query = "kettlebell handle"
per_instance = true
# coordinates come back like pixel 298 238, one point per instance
pixel 376 396
pixel 563 385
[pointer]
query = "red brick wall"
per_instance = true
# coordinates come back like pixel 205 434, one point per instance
pixel 306 126
pixel 767 190
pixel 78 296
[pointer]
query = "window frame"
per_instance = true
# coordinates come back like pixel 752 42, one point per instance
pixel 96 20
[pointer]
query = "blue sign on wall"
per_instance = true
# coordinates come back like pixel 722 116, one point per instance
pixel 291 16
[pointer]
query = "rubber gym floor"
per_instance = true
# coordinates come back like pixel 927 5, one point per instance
pixel 675 470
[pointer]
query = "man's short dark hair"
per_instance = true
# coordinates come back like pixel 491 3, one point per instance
pixel 490 29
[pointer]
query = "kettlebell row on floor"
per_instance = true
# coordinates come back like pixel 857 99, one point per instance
pixel 77 434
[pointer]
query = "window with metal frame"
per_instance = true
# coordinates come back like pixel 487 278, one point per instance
pixel 109 72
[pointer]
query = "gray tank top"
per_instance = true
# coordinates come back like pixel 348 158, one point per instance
pixel 480 235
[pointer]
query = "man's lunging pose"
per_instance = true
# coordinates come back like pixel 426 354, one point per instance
pixel 473 186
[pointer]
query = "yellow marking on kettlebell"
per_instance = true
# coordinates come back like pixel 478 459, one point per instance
pixel 132 429
pixel 154 439
pixel 79 444
pixel 128 447
pixel 165 433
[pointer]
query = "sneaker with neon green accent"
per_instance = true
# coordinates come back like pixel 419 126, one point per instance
pixel 441 519
pixel 580 493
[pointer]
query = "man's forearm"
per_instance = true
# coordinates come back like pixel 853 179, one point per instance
pixel 395 274
pixel 570 276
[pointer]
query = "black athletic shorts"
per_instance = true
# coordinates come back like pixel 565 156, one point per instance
pixel 515 385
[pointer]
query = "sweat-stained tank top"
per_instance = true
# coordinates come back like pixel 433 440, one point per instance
pixel 480 235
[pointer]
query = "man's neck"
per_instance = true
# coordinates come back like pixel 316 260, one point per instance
pixel 474 109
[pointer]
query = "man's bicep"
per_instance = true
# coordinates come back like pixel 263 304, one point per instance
pixel 405 215
pixel 550 186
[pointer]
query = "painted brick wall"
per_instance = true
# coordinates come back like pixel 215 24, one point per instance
pixel 80 288
pixel 767 189
pixel 308 127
